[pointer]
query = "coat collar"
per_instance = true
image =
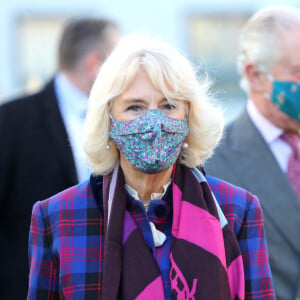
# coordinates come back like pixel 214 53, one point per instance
pixel 53 123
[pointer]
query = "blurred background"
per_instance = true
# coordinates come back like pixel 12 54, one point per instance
pixel 204 31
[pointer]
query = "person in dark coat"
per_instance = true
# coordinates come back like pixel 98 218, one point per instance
pixel 40 138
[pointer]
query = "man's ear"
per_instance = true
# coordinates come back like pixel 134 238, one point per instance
pixel 93 62
pixel 257 79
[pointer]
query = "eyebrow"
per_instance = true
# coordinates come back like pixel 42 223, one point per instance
pixel 139 100
pixel 133 100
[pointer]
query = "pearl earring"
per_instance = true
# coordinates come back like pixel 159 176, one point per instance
pixel 185 145
pixel 108 147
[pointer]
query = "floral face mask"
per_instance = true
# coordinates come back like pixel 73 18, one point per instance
pixel 152 142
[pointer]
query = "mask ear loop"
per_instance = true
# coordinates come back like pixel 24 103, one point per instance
pixel 269 76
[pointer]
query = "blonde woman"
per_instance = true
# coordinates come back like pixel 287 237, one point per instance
pixel 149 224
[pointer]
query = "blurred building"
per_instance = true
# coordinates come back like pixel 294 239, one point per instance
pixel 205 31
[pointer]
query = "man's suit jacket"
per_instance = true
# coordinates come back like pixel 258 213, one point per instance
pixel 243 158
pixel 36 162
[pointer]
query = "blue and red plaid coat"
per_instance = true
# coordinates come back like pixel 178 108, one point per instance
pixel 66 244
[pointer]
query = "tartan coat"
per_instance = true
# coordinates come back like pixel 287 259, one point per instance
pixel 66 243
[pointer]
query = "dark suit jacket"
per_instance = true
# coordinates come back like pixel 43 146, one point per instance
pixel 244 159
pixel 36 162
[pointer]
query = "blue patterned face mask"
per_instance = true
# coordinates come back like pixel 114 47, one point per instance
pixel 152 142
pixel 286 96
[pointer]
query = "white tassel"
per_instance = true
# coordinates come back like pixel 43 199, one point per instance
pixel 158 237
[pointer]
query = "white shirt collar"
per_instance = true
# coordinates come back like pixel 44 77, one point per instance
pixel 268 130
pixel 70 98
pixel 133 193
pixel 72 105
pixel 158 237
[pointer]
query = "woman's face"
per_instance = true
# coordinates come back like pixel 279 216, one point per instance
pixel 142 96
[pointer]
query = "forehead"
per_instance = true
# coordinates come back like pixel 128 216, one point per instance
pixel 142 88
pixel 290 47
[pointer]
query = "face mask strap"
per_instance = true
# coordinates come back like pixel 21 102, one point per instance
pixel 269 76
pixel 264 70
pixel 267 95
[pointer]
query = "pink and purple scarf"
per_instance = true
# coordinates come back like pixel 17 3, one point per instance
pixel 206 262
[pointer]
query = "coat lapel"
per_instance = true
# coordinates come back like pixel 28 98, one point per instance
pixel 260 173
pixel 52 120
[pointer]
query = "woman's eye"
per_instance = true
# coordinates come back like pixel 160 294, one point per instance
pixel 134 108
pixel 169 106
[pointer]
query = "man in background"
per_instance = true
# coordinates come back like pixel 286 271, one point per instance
pixel 260 150
pixel 40 136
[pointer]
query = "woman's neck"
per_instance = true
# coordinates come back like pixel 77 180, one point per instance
pixel 145 184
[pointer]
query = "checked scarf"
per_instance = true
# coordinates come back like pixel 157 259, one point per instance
pixel 206 262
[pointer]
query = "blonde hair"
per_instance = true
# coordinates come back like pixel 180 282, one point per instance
pixel 260 40
pixel 173 76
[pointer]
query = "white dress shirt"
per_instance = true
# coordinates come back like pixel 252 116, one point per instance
pixel 72 105
pixel 271 134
